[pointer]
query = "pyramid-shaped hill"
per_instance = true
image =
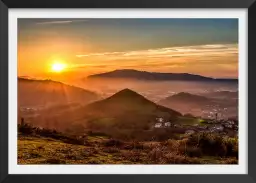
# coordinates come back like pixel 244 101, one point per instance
pixel 123 110
pixel 128 102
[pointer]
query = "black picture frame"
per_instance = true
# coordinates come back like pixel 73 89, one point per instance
pixel 5 177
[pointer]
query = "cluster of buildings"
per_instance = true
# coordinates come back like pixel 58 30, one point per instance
pixel 225 124
pixel 161 123
pixel 222 126
pixel 209 111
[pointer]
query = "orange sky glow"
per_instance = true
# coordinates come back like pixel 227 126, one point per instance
pixel 82 57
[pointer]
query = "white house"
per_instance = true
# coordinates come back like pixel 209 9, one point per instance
pixel 231 122
pixel 228 126
pixel 167 124
pixel 189 132
pixel 160 120
pixel 217 128
pixel 158 125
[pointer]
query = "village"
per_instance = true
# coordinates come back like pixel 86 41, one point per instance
pixel 221 126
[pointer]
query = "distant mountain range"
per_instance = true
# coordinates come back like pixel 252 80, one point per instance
pixel 155 76
pixel 33 92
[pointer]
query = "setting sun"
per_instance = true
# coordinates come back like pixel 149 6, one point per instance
pixel 58 67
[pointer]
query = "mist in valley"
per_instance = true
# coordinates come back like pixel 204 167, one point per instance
pixel 64 106
pixel 154 90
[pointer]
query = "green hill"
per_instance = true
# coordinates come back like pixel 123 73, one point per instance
pixel 129 101
pixel 125 109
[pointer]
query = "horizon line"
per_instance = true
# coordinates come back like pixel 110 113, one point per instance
pixel 231 78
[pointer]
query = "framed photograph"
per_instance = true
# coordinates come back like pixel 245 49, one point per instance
pixel 123 91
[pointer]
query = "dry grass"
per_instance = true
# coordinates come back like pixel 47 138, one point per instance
pixel 51 147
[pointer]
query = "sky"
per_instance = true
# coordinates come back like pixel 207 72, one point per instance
pixel 207 47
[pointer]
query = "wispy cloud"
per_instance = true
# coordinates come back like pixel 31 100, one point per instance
pixel 60 22
pixel 200 50
pixel 202 59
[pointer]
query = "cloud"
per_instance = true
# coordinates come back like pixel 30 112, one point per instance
pixel 171 52
pixel 220 59
pixel 84 66
pixel 60 22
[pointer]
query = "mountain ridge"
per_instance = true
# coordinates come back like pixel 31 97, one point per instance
pixel 41 92
pixel 156 76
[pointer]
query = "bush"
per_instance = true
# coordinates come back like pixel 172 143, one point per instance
pixel 214 144
pixel 25 129
pixel 192 151
pixel 232 147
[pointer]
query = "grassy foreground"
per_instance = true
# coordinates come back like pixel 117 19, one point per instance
pixel 55 149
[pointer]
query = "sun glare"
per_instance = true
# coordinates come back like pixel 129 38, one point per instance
pixel 58 67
